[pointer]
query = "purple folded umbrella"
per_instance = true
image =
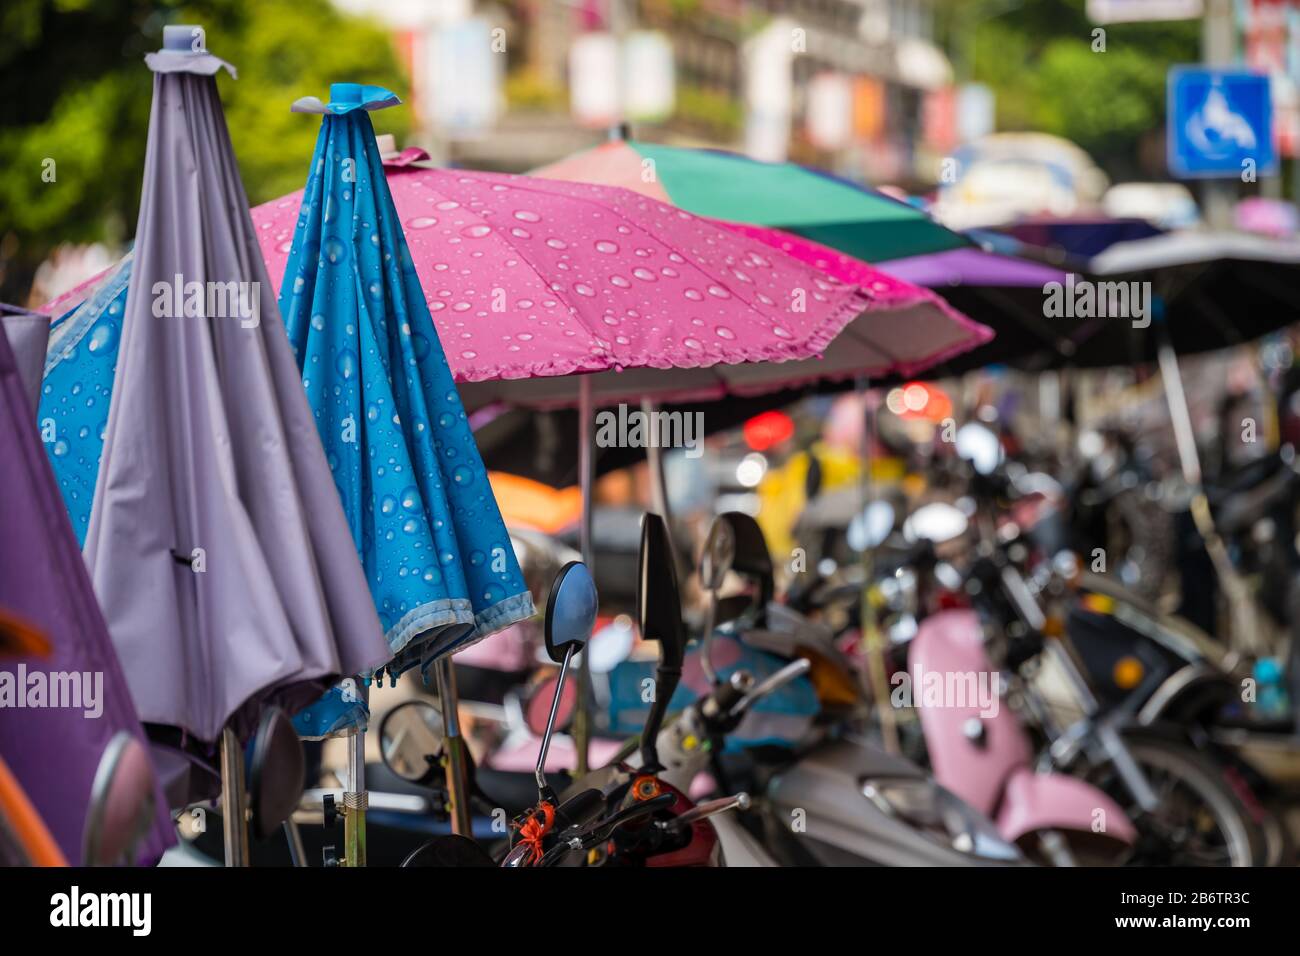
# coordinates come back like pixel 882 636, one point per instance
pixel 54 749
pixel 217 544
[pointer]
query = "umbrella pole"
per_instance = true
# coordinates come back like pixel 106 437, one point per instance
pixel 1244 636
pixel 658 481
pixel 234 806
pixel 586 478
pixel 872 639
pixel 355 802
pixel 457 768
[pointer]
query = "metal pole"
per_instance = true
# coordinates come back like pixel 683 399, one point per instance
pixel 1246 635
pixel 872 640
pixel 586 478
pixel 1218 48
pixel 654 454
pixel 234 807
pixel 355 802
pixel 457 768
pixel 294 838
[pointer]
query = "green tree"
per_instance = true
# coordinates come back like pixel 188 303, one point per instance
pixel 1050 74
pixel 74 89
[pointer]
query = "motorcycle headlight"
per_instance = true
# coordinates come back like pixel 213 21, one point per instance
pixel 940 814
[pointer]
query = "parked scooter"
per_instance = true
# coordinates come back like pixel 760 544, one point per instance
pixel 1183 809
pixel 832 796
pixel 623 815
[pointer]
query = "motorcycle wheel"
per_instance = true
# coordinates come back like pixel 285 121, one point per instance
pixel 1200 820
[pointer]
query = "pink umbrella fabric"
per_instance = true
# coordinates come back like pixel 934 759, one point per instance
pixel 531 279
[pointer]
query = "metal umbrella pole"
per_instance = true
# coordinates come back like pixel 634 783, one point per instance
pixel 234 802
pixel 355 801
pixel 658 479
pixel 1245 635
pixel 586 478
pixel 872 639
pixel 457 765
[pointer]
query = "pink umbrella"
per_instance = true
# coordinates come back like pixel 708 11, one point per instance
pixel 530 280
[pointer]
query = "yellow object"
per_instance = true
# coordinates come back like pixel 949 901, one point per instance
pixel 1128 673
pixel 1098 603
pixel 782 492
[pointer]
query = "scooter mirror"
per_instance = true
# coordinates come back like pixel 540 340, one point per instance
pixel 752 559
pixel 121 803
pixel 570 611
pixel 659 613
pixel 410 740
pixel 870 528
pixel 937 522
pixel 719 554
pixel 979 446
pixel 276 772
pixel 570 618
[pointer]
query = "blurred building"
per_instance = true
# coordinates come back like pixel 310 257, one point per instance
pixel 856 86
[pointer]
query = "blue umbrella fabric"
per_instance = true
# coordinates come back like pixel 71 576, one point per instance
pixel 77 389
pixel 424 520
pixel 215 542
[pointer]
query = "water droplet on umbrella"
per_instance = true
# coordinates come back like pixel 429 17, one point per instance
pixel 346 363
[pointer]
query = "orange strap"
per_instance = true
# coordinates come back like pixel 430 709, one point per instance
pixel 26 824
pixel 535 828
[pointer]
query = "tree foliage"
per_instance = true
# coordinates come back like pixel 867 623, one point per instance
pixel 1052 73
pixel 74 89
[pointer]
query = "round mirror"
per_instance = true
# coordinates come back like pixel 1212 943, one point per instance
pixel 936 522
pixel 276 772
pixel 410 740
pixel 570 610
pixel 611 645
pixel 979 446
pixel 719 554
pixel 870 528
pixel 121 802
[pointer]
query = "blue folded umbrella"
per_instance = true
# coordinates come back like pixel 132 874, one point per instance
pixel 441 567
pixel 80 368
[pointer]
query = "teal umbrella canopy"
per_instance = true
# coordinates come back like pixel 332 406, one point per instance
pixel 439 561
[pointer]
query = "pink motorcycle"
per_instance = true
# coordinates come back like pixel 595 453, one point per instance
pixel 979 750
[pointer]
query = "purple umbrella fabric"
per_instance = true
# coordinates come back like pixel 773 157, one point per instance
pixel 217 544
pixel 1006 294
pixel 54 750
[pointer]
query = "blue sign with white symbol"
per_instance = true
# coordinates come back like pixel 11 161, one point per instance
pixel 1220 123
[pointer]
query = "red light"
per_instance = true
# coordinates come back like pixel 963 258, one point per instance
pixel 768 429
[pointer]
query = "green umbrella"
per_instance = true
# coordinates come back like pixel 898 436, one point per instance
pixel 855 220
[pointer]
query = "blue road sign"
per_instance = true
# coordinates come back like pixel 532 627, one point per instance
pixel 1217 121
